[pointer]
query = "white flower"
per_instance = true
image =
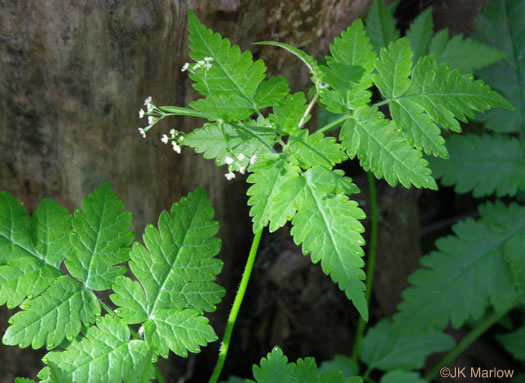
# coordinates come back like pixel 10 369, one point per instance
pixel 141 113
pixel 141 332
pixel 147 101
pixel 151 120
pixel 242 169
pixel 208 59
pixel 185 67
pixel 142 132
pixel 228 160
pixel 241 157
pixel 181 138
pixel 173 132
pixel 196 66
pixel 200 62
pixel 176 148
pixel 253 159
pixel 164 138
pixel 229 176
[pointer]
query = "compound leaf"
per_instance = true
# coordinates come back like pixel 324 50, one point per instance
pixel 465 274
pixel 473 157
pixel 500 25
pixel 49 318
pixel 100 239
pixel 327 226
pixel 230 72
pixel 105 354
pixel 383 150
pixel 381 25
pixel 176 271
pixel 382 350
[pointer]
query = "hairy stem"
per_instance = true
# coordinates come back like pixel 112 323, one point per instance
pixel 474 334
pixel 235 308
pixel 308 110
pixel 372 249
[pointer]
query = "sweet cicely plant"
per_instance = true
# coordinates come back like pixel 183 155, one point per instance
pixel 53 264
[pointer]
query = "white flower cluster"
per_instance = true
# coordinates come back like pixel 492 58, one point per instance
pixel 241 163
pixel 205 63
pixel 153 113
pixel 176 139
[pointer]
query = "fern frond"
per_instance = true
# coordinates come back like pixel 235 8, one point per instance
pixel 105 354
pixel 500 25
pixel 231 72
pixel 380 349
pixel 175 273
pixel 383 150
pixel 473 157
pixel 465 275
pixel 381 25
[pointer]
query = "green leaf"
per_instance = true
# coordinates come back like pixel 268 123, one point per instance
pixel 175 271
pixel 345 364
pixel 274 368
pixel 315 149
pixel 380 349
pixel 465 274
pixel 49 318
pixel 105 354
pixel 394 67
pixel 327 226
pixel 500 25
pixel 24 380
pixel 468 55
pixel 400 376
pixel 100 239
pixel 513 342
pixel 271 91
pixel 288 113
pixel 33 253
pixel 231 72
pixel 267 179
pixel 380 25
pixel 383 150
pixel 513 252
pixel 350 52
pixel 230 140
pixel 224 107
pixel 420 33
pixel 473 157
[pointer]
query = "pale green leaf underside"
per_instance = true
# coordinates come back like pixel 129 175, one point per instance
pixel 500 25
pixel 465 275
pixel 483 165
pixel 178 330
pixel 105 354
pixel 385 351
pixel 100 239
pixel 50 318
pixel 383 150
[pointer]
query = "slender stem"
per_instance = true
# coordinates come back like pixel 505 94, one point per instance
pixel 371 262
pixel 308 109
pixel 334 124
pixel 380 103
pixel 235 308
pixel 474 334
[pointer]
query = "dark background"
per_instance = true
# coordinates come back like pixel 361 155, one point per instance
pixel 73 75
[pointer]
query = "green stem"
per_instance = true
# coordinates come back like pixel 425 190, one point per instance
pixel 235 308
pixel 334 124
pixel 380 103
pixel 308 110
pixel 371 262
pixel 474 334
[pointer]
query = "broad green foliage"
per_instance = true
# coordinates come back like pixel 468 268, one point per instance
pixel 385 351
pixel 276 368
pixel 175 273
pixel 483 165
pixel 513 343
pixel 467 274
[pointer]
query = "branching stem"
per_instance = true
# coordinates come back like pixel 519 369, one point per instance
pixel 372 250
pixel 235 308
pixel 474 334
pixel 334 124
